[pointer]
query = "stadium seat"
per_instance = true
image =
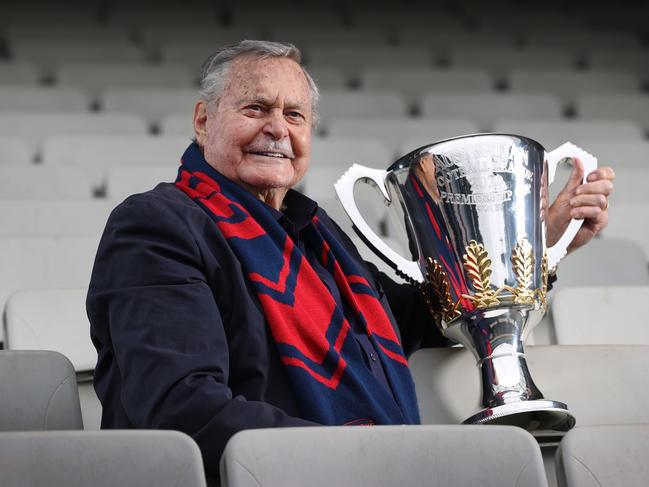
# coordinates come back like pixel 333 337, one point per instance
pixel 628 106
pixel 96 78
pixel 600 315
pixel 567 84
pixel 38 182
pixel 39 99
pixel 56 319
pixel 367 104
pixel 144 458
pixel 500 61
pixel 34 127
pixel 329 78
pixel 353 59
pixel 394 131
pixel 382 456
pixel 486 108
pixel 53 217
pixel 177 125
pixel 306 36
pixel 590 379
pixel 93 155
pixel 44 263
pixel 414 82
pixel 620 154
pixel 627 221
pixel 553 133
pixel 191 54
pixel 152 104
pixel 70 32
pixel 14 150
pixel 604 456
pixel 38 391
pixel 340 152
pixel 614 58
pixel 123 181
pixel 48 54
pixel 18 74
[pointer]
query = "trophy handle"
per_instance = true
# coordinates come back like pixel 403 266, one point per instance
pixel 567 151
pixel 345 191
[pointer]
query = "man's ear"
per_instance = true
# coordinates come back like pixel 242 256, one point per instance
pixel 200 122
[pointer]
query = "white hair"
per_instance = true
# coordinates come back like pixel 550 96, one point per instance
pixel 216 69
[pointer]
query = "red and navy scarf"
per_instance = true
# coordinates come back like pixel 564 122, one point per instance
pixel 324 363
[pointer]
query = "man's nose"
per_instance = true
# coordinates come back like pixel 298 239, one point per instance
pixel 276 125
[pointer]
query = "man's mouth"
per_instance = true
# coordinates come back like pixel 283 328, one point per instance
pixel 277 155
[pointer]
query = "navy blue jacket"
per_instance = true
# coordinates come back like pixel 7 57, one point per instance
pixel 182 341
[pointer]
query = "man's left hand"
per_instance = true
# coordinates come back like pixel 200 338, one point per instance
pixel 587 201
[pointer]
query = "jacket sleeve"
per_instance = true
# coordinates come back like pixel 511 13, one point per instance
pixel 153 312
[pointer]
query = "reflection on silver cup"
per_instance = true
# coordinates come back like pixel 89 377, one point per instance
pixel 473 209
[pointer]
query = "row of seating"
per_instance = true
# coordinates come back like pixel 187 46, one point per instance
pixel 607 447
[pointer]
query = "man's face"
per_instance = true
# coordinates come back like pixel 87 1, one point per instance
pixel 259 132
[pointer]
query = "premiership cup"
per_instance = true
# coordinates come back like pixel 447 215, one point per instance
pixel 473 208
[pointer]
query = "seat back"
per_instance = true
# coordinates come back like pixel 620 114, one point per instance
pixel 38 391
pixel 382 456
pixel 604 456
pixel 101 459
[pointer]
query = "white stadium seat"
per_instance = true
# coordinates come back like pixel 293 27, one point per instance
pixel 31 31
pixel 56 319
pixel 59 217
pixel 383 456
pixel 353 59
pixel 95 78
pixel 394 131
pixel 620 154
pixel 37 182
pixel 101 458
pixel 604 456
pixel 553 133
pixel 45 262
pixel 614 58
pixel 15 150
pixel 34 127
pixel 414 82
pixel 191 54
pixel 486 108
pixel 627 221
pixel 329 77
pixel 123 181
pixel 600 315
pixel 47 55
pixel 152 104
pixel 499 61
pixel 629 106
pixel 343 151
pixel 93 155
pixel 569 83
pixel 18 73
pixel 177 125
pixel 40 99
pixel 369 104
pixel 38 391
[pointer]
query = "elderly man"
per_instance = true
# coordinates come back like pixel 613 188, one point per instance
pixel 229 301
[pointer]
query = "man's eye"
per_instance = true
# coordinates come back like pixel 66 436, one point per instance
pixel 295 115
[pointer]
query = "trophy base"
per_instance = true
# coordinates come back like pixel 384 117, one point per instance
pixel 532 415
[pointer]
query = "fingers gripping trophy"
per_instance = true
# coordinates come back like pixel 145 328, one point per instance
pixel 474 211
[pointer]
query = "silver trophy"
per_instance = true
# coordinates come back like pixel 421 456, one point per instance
pixel 473 209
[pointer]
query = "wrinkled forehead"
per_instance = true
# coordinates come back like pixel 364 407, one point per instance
pixel 269 77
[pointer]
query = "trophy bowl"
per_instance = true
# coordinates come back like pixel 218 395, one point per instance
pixel 473 209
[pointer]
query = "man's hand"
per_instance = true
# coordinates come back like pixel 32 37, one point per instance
pixel 587 201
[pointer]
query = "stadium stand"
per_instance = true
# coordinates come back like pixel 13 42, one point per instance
pixel 87 117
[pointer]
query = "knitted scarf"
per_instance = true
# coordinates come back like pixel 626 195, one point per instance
pixel 324 363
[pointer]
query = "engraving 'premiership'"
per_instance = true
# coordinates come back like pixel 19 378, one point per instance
pixel 472 215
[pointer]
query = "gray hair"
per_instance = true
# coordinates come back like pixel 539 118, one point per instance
pixel 216 69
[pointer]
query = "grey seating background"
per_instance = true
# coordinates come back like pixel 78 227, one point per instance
pixel 100 459
pixel 38 391
pixel 383 456
pixel 604 456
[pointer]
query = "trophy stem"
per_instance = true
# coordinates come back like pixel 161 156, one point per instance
pixel 509 395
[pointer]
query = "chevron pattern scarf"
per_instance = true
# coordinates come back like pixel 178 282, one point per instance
pixel 324 363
